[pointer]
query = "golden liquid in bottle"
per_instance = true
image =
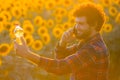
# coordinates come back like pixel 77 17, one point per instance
pixel 73 35
pixel 18 33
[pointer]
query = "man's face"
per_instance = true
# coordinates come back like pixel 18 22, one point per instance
pixel 82 29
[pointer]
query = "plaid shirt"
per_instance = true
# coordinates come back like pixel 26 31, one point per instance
pixel 87 61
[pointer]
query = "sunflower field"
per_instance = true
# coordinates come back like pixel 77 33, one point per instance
pixel 43 22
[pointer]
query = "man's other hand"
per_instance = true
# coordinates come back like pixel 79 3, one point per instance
pixel 21 50
pixel 67 37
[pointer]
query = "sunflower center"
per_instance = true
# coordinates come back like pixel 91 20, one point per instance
pixel 45 38
pixel 6 16
pixel 50 5
pixel 118 2
pixel 106 1
pixel 57 32
pixel 1 19
pixel 72 21
pixel 37 21
pixel 3 49
pixel 42 31
pixel 113 10
pixel 66 26
pixel 62 12
pixel 50 23
pixel 37 45
pixel 28 41
pixel 43 24
pixel 28 28
pixel 17 12
pixel 67 2
pixel 57 0
pixel 108 28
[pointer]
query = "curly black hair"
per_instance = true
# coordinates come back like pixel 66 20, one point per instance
pixel 95 14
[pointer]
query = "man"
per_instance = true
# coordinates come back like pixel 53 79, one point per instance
pixel 87 60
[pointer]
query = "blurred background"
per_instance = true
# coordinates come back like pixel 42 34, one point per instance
pixel 43 22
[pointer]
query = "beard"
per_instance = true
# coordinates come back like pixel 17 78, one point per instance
pixel 83 34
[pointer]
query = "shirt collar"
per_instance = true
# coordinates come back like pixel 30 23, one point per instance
pixel 91 39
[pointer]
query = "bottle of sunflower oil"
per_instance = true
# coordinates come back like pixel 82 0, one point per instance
pixel 18 33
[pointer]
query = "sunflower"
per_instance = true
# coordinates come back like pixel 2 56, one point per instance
pixel 115 1
pixel 57 32
pixel 24 11
pixel 59 26
pixel 60 11
pixel 6 5
pixel 67 3
pixel 56 11
pixel 7 15
pixel 4 49
pixel 63 12
pixel 71 20
pixel 58 2
pixel 117 19
pixel 107 28
pixel 42 30
pixel 37 45
pixel 50 5
pixel 24 14
pixel 38 20
pixel 50 23
pixel 26 34
pixel 16 12
pixel 118 2
pixel 85 1
pixel 58 18
pixel 29 40
pixel 113 11
pixel 27 4
pixel 38 5
pixel 8 26
pixel 46 38
pixel 17 3
pixel 15 22
pixel 66 26
pixel 43 23
pixel 28 28
pixel 106 3
pixel 3 18
pixel 26 22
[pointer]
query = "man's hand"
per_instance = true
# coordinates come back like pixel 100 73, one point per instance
pixel 67 37
pixel 21 50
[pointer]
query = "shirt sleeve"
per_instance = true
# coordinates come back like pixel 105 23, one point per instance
pixel 58 67
pixel 69 64
pixel 80 60
pixel 62 52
